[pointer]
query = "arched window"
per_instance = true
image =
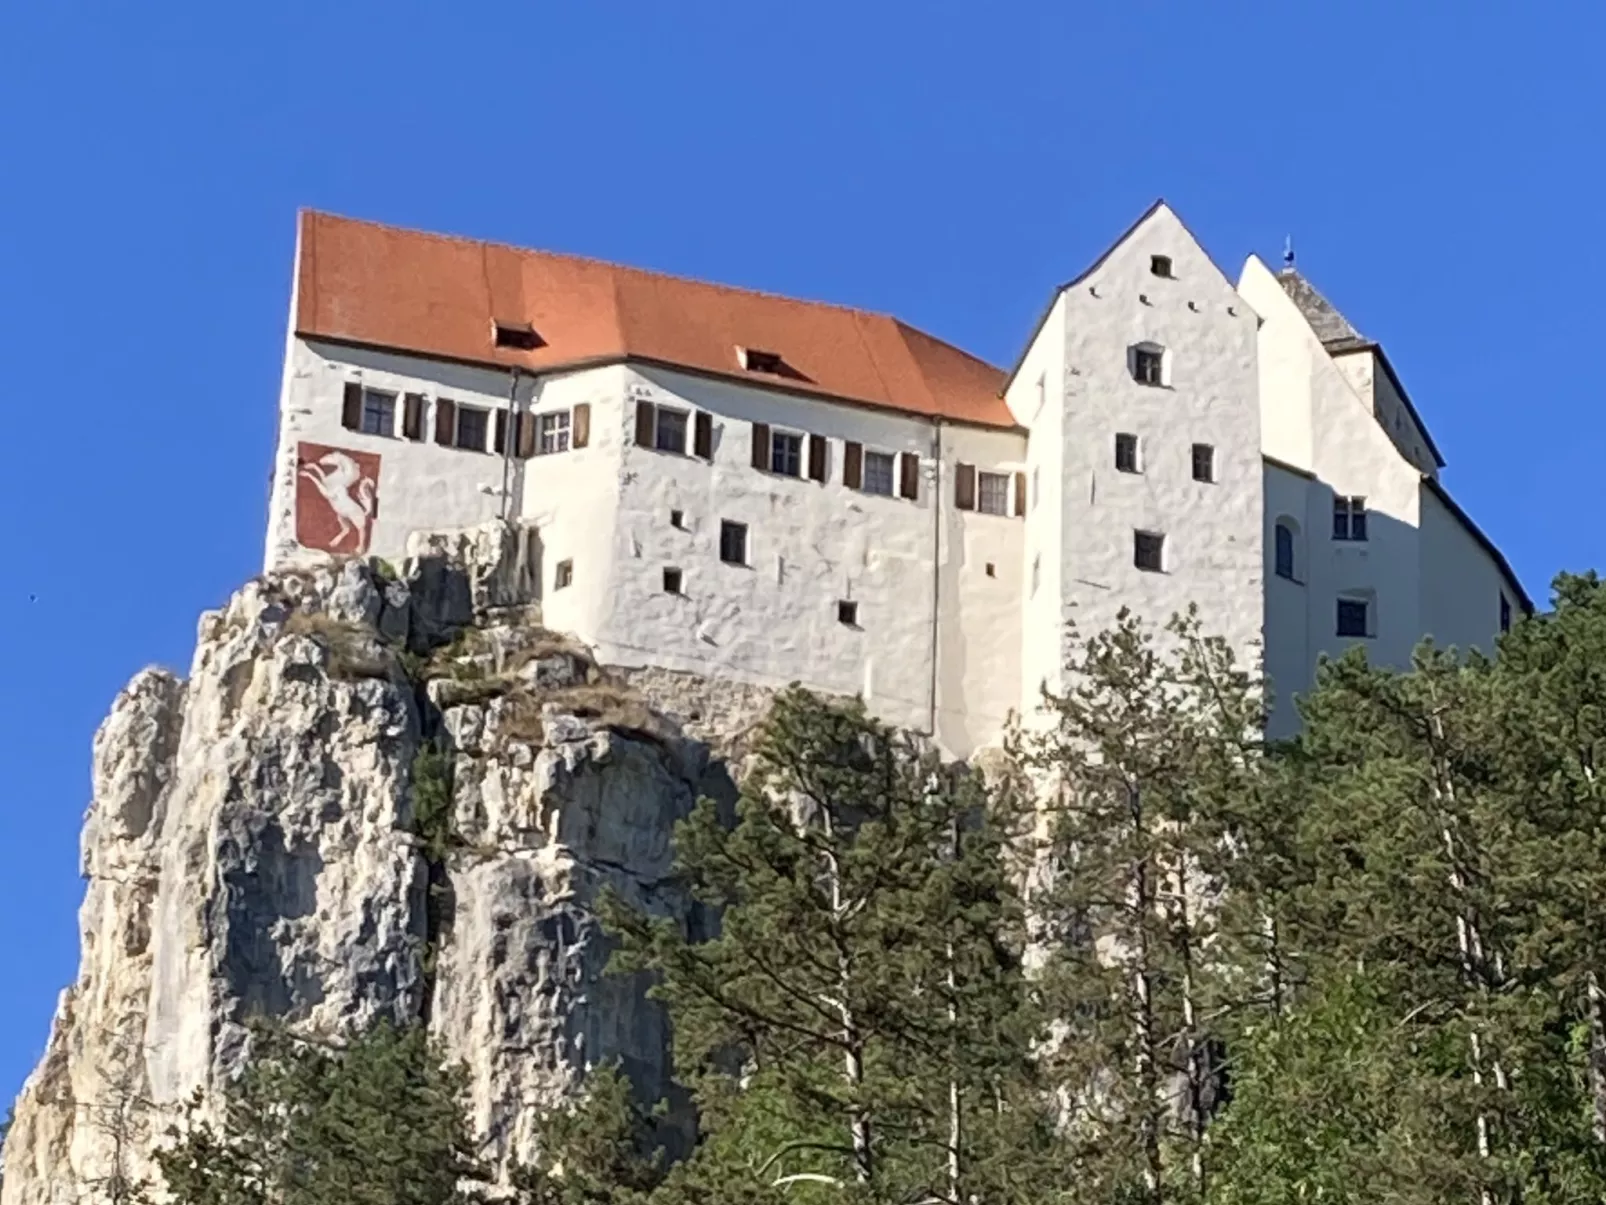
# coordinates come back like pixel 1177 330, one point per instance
pixel 1287 544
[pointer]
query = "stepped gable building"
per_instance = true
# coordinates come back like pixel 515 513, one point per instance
pixel 757 489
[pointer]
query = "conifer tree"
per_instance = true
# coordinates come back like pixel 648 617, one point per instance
pixel 856 1030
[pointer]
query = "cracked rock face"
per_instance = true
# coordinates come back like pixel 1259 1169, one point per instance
pixel 250 850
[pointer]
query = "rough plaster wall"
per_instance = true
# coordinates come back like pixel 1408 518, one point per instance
pixel 1290 659
pixel 774 620
pixel 1461 584
pixel 1391 412
pixel 1213 542
pixel 1036 397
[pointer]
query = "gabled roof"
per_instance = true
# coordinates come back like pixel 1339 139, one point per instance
pixel 1339 336
pixel 432 295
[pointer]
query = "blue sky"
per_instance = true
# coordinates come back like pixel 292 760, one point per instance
pixel 1438 166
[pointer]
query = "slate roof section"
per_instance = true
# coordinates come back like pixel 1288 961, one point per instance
pixel 1331 327
pixel 433 295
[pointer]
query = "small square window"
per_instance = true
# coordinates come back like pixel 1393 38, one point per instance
pixel 847 613
pixel 878 473
pixel 471 428
pixel 992 569
pixel 1148 551
pixel 677 518
pixel 671 432
pixel 1204 462
pixel 992 493
pixel 1160 265
pixel 672 581
pixel 786 454
pixel 732 542
pixel 554 432
pixel 563 575
pixel 1126 453
pixel 1148 365
pixel 378 412
pixel 1352 617
pixel 1505 613
pixel 1349 518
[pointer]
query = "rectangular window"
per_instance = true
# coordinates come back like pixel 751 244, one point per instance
pixel 1126 453
pixel 992 493
pixel 378 412
pixel 1352 617
pixel 563 575
pixel 671 433
pixel 1349 518
pixel 1148 551
pixel 786 454
pixel 677 518
pixel 732 542
pixel 519 335
pixel 878 473
pixel 1147 365
pixel 554 432
pixel 471 428
pixel 847 613
pixel 1204 462
pixel 1505 613
pixel 672 581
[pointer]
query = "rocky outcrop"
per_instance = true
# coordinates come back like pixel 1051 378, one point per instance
pixel 255 848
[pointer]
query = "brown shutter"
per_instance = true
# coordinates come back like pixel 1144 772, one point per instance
pixel 965 487
pixel 413 416
pixel 644 424
pixel 445 421
pixel 909 475
pixel 817 457
pixel 580 426
pixel 703 435
pixel 524 426
pixel 1020 495
pixel 853 465
pixel 351 407
pixel 761 446
pixel 499 435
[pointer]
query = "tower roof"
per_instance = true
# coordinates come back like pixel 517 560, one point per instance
pixel 1334 330
pixel 405 290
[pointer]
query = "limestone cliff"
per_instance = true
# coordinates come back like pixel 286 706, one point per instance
pixel 254 848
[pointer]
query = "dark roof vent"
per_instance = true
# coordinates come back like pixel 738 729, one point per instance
pixel 518 335
pixel 771 363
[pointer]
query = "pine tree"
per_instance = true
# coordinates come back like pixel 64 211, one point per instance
pixel 856 1030
pixel 1146 752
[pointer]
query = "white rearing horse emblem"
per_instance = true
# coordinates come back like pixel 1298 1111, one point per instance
pixel 349 494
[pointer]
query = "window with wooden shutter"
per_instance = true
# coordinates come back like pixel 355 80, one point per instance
pixel 965 486
pixel 413 416
pixel 852 465
pixel 703 436
pixel 524 444
pixel 445 421
pixel 909 475
pixel 817 457
pixel 646 417
pixel 761 446
pixel 580 434
pixel 1020 494
pixel 351 407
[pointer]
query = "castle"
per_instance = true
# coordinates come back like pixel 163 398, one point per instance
pixel 762 490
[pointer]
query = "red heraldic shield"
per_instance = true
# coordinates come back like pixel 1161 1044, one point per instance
pixel 337 498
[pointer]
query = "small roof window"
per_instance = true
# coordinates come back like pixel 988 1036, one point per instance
pixel 518 335
pixel 1160 265
pixel 772 363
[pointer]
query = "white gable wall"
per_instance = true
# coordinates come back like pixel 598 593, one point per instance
pixel 1212 531
pixel 1461 583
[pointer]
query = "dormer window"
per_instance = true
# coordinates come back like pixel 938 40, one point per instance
pixel 1160 265
pixel 755 360
pixel 520 336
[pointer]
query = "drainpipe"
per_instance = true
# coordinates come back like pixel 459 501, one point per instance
pixel 936 565
pixel 509 439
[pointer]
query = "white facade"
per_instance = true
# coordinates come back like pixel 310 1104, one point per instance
pixel 1232 415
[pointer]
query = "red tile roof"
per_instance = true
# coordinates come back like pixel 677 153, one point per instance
pixel 437 296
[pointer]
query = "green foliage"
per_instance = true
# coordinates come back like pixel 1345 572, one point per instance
pixel 377 1121
pixel 600 1151
pixel 432 800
